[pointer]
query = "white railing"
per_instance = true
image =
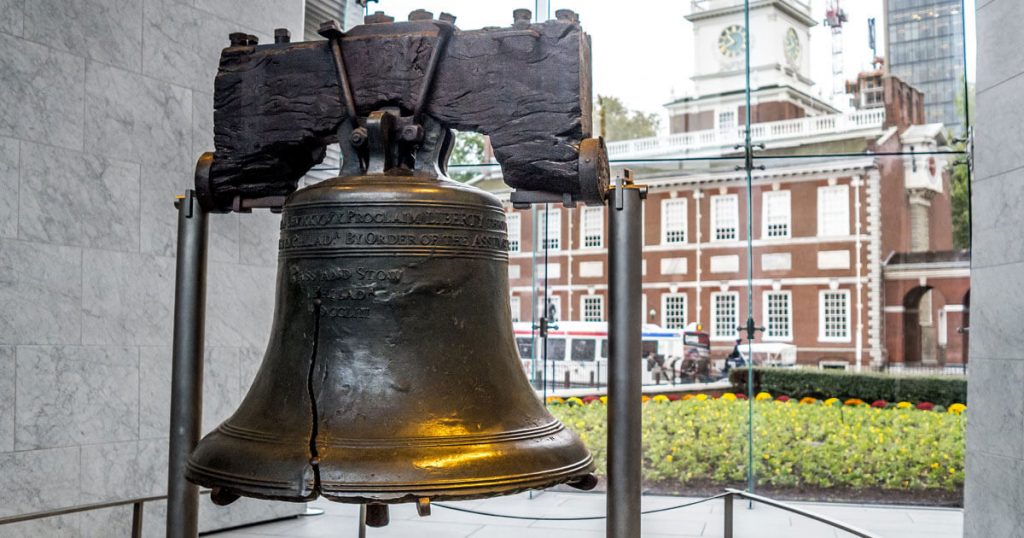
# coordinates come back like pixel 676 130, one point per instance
pixel 768 132
pixel 704 5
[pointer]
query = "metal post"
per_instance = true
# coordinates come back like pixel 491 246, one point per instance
pixel 187 366
pixel 362 521
pixel 625 218
pixel 137 520
pixel 728 516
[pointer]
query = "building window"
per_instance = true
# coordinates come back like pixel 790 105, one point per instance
pixel 726 120
pixel 591 228
pixel 593 308
pixel 776 214
pixel 834 316
pixel 673 220
pixel 778 315
pixel 724 218
pixel 514 306
pixel 724 307
pixel 834 210
pixel 551 221
pixel 514 231
pixel 673 310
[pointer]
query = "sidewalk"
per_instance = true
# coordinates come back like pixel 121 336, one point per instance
pixel 703 520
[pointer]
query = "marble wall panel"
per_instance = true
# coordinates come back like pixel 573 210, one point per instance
pixel 159 218
pixel 28 483
pixel 127 299
pixel 7 399
pixel 109 31
pixel 1001 430
pixel 75 395
pixel 240 305
pixel 188 42
pixel 154 392
pixel 258 235
pixel 994 329
pixel 998 62
pixel 249 361
pixel 42 95
pixel 137 118
pixel 12 16
pixel 993 496
pixel 112 471
pixel 41 293
pixel 996 148
pixel 256 14
pixel 220 386
pixel 9 168
pixel 202 122
pixel 70 198
pixel 53 527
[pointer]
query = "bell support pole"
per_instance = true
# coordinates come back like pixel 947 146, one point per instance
pixel 625 219
pixel 187 365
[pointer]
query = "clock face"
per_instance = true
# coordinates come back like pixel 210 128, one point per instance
pixel 792 46
pixel 732 41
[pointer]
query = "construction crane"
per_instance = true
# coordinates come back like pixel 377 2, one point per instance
pixel 834 19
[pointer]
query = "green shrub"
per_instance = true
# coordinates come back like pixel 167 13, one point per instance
pixel 801 382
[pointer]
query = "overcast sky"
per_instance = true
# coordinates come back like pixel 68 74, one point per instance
pixel 642 50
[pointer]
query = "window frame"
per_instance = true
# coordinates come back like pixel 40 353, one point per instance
pixel 766 215
pixel 665 297
pixel 550 234
pixel 822 337
pixel 824 229
pixel 714 333
pixel 599 211
pixel 515 306
pixel 683 204
pixel 766 306
pixel 514 240
pixel 583 307
pixel 716 215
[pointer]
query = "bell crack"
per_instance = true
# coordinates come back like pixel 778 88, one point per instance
pixel 314 454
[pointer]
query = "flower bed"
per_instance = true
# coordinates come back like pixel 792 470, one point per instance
pixel 797 444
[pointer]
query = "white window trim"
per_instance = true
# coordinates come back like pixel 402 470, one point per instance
pixel 583 227
pixel 764 214
pixel 683 204
pixel 821 317
pixel 583 306
pixel 714 217
pixel 731 336
pixel 554 216
pixel 789 323
pixel 727 110
pixel 664 308
pixel 517 218
pixel 845 227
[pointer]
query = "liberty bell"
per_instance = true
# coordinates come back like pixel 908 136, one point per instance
pixel 391 374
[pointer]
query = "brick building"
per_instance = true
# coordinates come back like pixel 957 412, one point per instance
pixel 852 259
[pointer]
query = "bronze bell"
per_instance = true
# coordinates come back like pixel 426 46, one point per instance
pixel 391 374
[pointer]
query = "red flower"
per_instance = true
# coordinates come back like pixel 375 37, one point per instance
pixel 881 404
pixel 674 397
pixel 782 398
pixel 925 406
pixel 590 399
pixel 741 396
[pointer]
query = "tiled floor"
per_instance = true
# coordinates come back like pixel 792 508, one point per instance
pixel 704 520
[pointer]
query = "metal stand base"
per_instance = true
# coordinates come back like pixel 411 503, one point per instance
pixel 187 366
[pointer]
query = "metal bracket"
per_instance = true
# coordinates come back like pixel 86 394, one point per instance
pixel 751 329
pixel 524 199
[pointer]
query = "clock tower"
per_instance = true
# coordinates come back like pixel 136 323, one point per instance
pixel 779 64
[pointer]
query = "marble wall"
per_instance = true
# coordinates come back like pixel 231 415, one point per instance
pixel 995 431
pixel 104 107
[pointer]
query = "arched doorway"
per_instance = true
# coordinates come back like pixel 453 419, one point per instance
pixel 921 326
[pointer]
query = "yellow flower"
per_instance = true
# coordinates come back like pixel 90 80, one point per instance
pixel 701 397
pixel 661 398
pixel 668 458
pixel 831 401
pixel 574 401
pixel 935 465
pixel 604 399
pixel 763 396
pixel 555 400
pixel 729 397
pixel 904 405
pixel 957 408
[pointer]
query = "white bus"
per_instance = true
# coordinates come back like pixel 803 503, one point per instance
pixel 578 353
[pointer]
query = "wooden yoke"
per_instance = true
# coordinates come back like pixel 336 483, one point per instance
pixel 527 86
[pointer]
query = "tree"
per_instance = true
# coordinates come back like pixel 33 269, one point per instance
pixel 959 184
pixel 615 122
pixel 469 149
